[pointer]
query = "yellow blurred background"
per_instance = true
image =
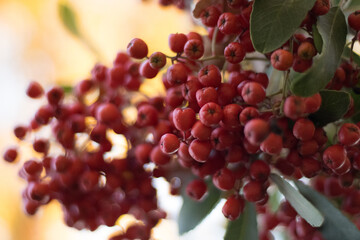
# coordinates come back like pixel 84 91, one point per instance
pixel 34 45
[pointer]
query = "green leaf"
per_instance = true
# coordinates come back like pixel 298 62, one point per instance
pixel 68 18
pixel 274 200
pixel 245 227
pixel 336 226
pixel 352 6
pixel 192 213
pixel 273 22
pixel 67 89
pixel 333 29
pixel 302 206
pixel 317 39
pixel 335 2
pixel 334 105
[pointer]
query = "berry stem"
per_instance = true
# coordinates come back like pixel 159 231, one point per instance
pixel 213 41
pixel 352 46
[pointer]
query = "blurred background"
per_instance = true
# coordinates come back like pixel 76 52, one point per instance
pixel 34 45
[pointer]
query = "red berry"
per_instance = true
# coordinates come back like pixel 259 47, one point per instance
pixel 210 76
pixel 272 144
pixel 254 191
pixel 200 150
pixel 256 130
pixel 253 93
pixel 294 107
pixel 201 131
pixel 281 59
pixel 354 20
pixel 334 156
pixel 177 74
pixel 349 134
pixel 233 207
pixel 196 189
pixel 147 71
pixel 184 118
pixel 158 157
pixel 321 7
pixel 34 90
pixel 206 95
pixel 306 50
pixel 10 155
pixel 304 129
pixel 259 170
pixel 234 52
pixel 157 60
pixel 194 49
pixel 137 48
pixel 312 103
pixel 224 179
pixel 107 113
pixel 209 16
pixel 169 143
pixel 211 114
pixel 228 23
pixel 177 42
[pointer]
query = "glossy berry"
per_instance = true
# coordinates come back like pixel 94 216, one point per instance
pixel 209 76
pixel 177 42
pixel 224 179
pixel 209 16
pixel 272 144
pixel 137 48
pixel 194 49
pixel 157 60
pixel 306 51
pixel 334 156
pixel 304 129
pixel 354 20
pixel 256 130
pixel 234 52
pixel 228 23
pixel 34 90
pixel 349 134
pixel 184 118
pixel 201 131
pixel 321 7
pixel 294 107
pixel 253 93
pixel 211 114
pixel 253 191
pixel 169 143
pixel 107 113
pixel 196 189
pixel 233 207
pixel 281 59
pixel 147 71
pixel 10 154
pixel 259 170
pixel 200 150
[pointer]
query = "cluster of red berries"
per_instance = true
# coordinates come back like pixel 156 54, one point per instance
pixel 72 166
pixel 216 122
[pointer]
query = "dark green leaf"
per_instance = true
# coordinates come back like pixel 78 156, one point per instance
pixel 302 206
pixel 336 226
pixel 273 22
pixel 192 213
pixel 317 39
pixel 333 29
pixel 334 105
pixel 346 54
pixel 245 227
pixel 68 18
pixel 335 2
pixel 356 117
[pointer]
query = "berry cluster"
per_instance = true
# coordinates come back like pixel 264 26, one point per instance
pixel 216 122
pixel 72 166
